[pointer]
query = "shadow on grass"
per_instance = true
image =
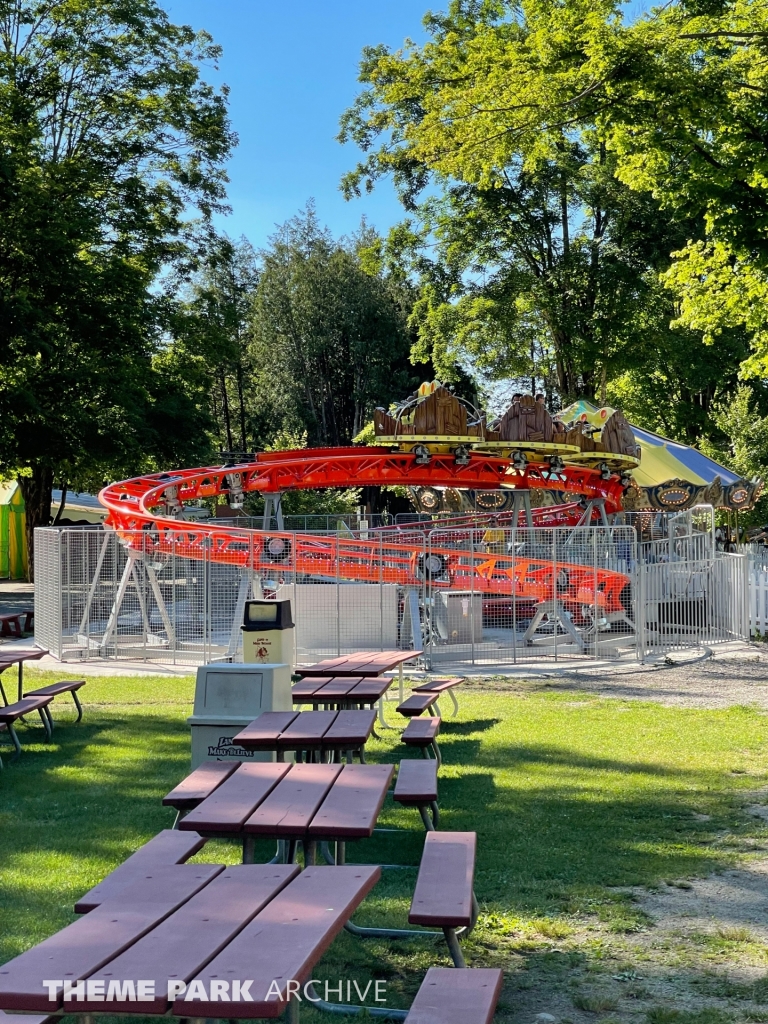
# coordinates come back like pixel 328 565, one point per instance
pixel 464 728
pixel 556 828
pixel 518 755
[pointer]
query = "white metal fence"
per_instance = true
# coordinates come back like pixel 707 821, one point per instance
pixel 466 596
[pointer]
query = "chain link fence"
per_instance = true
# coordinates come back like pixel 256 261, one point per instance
pixel 473 595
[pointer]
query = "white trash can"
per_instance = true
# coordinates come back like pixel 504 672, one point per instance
pixel 227 698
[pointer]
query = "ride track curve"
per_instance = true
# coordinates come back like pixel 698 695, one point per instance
pixel 153 504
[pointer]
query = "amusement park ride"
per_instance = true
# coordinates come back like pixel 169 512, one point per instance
pixel 432 441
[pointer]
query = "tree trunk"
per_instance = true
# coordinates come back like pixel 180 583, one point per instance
pixel 36 491
pixel 225 410
pixel 241 401
pixel 62 504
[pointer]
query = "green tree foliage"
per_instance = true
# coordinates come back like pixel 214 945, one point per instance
pixel 213 330
pixel 109 139
pixel 558 185
pixel 539 256
pixel 330 340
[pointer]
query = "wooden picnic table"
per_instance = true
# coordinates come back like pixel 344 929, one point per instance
pixel 9 657
pixel 254 924
pixel 298 803
pixel 364 665
pixel 315 733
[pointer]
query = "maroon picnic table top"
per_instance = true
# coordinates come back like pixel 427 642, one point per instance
pixel 13 656
pixel 307 730
pixel 340 690
pixel 201 926
pixel 301 801
pixel 365 663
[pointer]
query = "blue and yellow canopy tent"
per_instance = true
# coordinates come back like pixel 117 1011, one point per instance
pixel 672 475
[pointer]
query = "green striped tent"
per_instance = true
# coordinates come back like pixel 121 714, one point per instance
pixel 13 535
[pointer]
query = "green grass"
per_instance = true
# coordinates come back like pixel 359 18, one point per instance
pixel 574 800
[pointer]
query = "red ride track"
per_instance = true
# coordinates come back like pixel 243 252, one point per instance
pixel 139 505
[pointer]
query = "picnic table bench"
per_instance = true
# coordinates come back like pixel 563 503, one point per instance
pixel 312 734
pixel 10 623
pixel 56 689
pixel 425 697
pixel 444 895
pixel 457 996
pixel 416 704
pixel 423 733
pixel 416 786
pixel 167 848
pixel 439 686
pixel 11 713
pixel 197 786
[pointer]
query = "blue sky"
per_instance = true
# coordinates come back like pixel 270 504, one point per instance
pixel 292 70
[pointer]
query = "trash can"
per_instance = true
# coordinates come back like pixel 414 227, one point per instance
pixel 268 633
pixel 227 698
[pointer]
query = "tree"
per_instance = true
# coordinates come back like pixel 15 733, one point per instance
pixel 542 261
pixel 688 126
pixel 214 326
pixel 109 139
pixel 330 340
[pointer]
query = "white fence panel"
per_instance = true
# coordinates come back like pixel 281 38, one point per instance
pixel 758 601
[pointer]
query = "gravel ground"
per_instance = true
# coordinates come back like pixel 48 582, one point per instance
pixel 714 678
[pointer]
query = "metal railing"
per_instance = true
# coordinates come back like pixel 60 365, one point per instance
pixel 466 596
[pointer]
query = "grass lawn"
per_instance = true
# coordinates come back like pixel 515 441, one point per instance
pixel 581 804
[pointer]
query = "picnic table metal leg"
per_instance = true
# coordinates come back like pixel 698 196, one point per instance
pixel 21 679
pixel 249 849
pixel 325 853
pixel 452 695
pixel 428 824
pixel 382 720
pixel 310 852
pixel 292 844
pixel 435 813
pixel 2 691
pixel 454 948
pixel 14 740
pixel 389 933
pixel 47 720
pixel 292 1011
pixel 348 1009
pixel 78 705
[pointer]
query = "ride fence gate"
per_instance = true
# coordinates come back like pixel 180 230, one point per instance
pixel 465 597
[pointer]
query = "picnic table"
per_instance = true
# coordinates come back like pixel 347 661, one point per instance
pixel 10 623
pixel 9 658
pixel 207 941
pixel 313 733
pixel 259 925
pixel 303 803
pixel 365 666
